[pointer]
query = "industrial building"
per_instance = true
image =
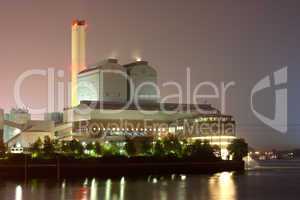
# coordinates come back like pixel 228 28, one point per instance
pixel 17 116
pixel 21 131
pixel 112 102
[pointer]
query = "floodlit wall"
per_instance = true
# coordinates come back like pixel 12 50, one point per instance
pixel 106 82
pixel 144 82
pixel 88 86
pixel 113 86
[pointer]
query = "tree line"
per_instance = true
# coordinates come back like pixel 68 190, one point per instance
pixel 169 146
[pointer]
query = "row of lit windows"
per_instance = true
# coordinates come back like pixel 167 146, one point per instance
pixel 212 119
pixel 123 129
pixel 126 134
pixel 170 129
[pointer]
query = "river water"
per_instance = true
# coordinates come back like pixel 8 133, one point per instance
pixel 267 181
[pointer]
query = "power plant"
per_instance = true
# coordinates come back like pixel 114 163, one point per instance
pixel 111 102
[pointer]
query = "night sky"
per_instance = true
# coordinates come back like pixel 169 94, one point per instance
pixel 240 41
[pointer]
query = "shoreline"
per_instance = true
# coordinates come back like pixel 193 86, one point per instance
pixel 112 167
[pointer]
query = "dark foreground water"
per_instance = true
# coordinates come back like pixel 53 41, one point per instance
pixel 269 181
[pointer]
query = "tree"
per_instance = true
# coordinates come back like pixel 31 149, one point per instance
pixel 207 148
pixel 130 147
pixel 238 149
pixel 65 147
pixel 36 148
pixel 98 149
pixel 57 145
pixel 172 146
pixel 116 149
pixel 159 148
pixel 146 147
pixel 112 149
pixel 49 148
pixel 200 150
pixel 90 147
pixel 2 148
pixel 76 147
pixel 217 150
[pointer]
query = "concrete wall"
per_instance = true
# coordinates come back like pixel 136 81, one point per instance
pixel 113 86
pixel 137 115
pixel 17 116
pixel 80 113
pixel 88 86
pixel 106 82
pixel 41 125
pixel 144 79
pixel 34 130
pixel 57 117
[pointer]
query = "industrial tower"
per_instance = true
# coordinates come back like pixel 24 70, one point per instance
pixel 78 56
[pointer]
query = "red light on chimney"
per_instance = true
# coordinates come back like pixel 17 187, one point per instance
pixel 77 22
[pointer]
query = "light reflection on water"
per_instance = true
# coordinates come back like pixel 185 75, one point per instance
pixel 222 186
pixel 260 184
pixel 94 189
pixel 18 195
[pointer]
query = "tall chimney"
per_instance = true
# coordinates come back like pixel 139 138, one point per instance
pixel 78 55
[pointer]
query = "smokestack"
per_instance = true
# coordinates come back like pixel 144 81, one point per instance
pixel 78 55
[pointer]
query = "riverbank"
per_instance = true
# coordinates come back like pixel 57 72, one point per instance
pixel 111 167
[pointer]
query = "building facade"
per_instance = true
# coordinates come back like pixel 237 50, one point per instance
pixel 106 81
pixel 142 83
pixel 109 81
pixel 111 121
pixel 16 116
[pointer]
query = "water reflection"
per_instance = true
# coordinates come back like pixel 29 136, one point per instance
pixel 254 184
pixel 122 188
pixel 94 190
pixel 218 186
pixel 181 188
pixel 18 193
pixel 82 193
pixel 107 189
pixel 221 186
pixel 63 190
